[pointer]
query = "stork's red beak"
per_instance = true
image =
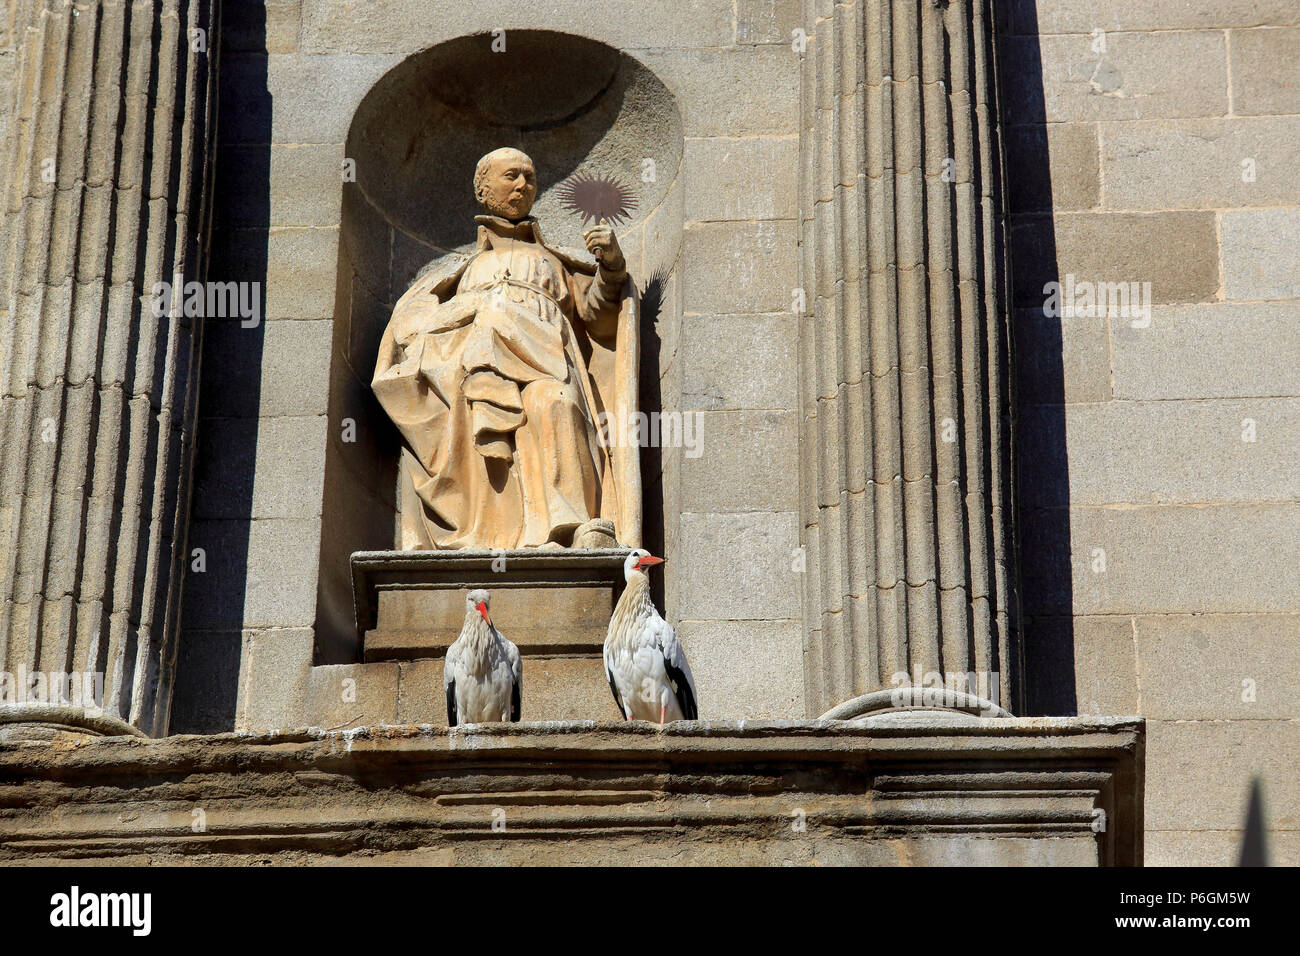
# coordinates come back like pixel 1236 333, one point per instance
pixel 648 561
pixel 482 609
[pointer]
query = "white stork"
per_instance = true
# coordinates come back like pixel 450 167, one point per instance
pixel 482 674
pixel 644 661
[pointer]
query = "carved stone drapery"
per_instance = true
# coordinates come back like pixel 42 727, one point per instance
pixel 904 356
pixel 105 196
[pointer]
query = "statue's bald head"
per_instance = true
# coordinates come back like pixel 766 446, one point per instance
pixel 505 183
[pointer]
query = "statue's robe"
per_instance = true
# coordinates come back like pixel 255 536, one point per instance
pixel 496 368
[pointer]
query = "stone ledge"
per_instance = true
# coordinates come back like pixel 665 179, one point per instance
pixel 924 790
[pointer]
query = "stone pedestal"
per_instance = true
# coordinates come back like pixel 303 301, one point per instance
pixel 555 606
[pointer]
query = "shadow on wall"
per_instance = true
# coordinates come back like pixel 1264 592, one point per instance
pixel 230 392
pixel 414 142
pixel 1042 469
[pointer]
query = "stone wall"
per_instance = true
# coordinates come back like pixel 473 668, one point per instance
pixel 1158 142
pixel 1157 494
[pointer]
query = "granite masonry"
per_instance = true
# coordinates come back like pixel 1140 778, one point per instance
pixel 985 319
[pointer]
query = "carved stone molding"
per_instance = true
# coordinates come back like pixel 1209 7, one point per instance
pixel 930 789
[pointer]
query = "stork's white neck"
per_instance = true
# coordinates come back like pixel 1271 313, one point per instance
pixel 634 602
pixel 478 639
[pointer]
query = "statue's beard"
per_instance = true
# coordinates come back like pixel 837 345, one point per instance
pixel 507 211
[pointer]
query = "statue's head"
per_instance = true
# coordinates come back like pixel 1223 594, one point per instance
pixel 505 183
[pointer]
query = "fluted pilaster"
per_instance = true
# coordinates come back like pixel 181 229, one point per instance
pixel 905 351
pixel 106 179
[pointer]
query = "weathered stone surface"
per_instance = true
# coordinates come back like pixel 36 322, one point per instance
pixel 300 265
pixel 740 268
pixel 1261 254
pixel 704 82
pixel 282 479
pixel 737 179
pixel 1216 847
pixel 1181 164
pixel 1061 360
pixel 1265 78
pixel 274 677
pixel 379 579
pixel 356 695
pixel 261 26
pixel 1168 452
pixel 743 464
pixel 1083 665
pixel 513 607
pixel 283 185
pixel 892 262
pixel 1218 666
pixel 1177 252
pixel 1220 350
pixel 738 361
pixel 420 696
pixel 746 669
pixel 259 573
pixel 1139 76
pixel 1168 558
pixel 1226 755
pixel 768 21
pixel 738 566
pixel 277 368
pixel 555 688
pixel 424 623
pixel 405 26
pixel 1056 167
pixel 728 791
pixel 314 97
pixel 1065 16
pixel 96 478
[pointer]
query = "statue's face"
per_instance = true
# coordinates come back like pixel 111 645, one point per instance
pixel 510 188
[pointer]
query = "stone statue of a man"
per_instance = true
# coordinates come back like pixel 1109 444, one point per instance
pixel 499 369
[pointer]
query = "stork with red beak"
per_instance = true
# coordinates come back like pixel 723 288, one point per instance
pixel 482 674
pixel 644 661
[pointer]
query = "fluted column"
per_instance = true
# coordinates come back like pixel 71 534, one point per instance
pixel 905 352
pixel 106 185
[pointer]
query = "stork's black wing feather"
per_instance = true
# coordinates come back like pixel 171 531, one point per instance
pixel 613 688
pixel 685 696
pixel 515 709
pixel 451 703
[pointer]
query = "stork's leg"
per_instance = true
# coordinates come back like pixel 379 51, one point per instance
pixel 662 709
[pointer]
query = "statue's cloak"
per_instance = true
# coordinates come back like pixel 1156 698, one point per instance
pixel 607 366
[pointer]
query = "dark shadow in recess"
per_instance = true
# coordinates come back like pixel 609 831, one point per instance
pixel 650 399
pixel 208 658
pixel 1042 466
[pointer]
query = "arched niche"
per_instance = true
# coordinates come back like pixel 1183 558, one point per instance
pixel 575 106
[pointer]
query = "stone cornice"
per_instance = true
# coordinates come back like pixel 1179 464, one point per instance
pixel 925 788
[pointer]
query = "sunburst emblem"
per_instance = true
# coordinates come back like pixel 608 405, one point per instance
pixel 598 197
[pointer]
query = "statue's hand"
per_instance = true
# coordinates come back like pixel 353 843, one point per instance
pixel 602 243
